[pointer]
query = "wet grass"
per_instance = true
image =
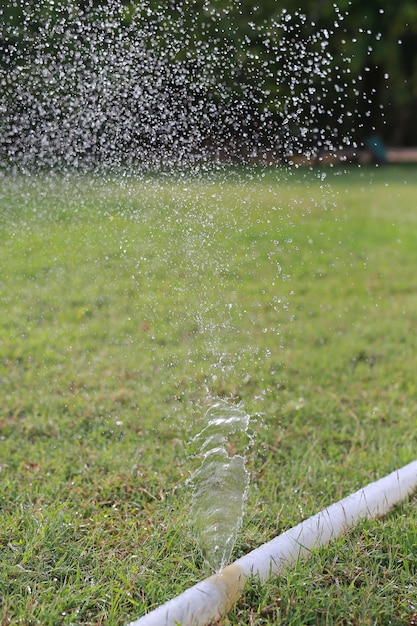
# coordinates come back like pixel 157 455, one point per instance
pixel 126 305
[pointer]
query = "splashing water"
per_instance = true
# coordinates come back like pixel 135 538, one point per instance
pixel 221 483
pixel 117 84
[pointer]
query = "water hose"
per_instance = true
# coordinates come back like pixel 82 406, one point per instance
pixel 213 597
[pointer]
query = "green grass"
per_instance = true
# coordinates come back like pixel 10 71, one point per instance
pixel 126 306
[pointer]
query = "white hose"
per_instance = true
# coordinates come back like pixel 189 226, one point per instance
pixel 211 598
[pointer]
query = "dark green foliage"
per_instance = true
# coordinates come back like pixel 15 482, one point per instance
pixel 247 80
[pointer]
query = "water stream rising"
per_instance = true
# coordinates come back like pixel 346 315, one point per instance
pixel 221 483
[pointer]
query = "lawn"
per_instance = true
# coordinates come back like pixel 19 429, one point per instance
pixel 129 305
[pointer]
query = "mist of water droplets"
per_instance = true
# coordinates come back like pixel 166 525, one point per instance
pixel 121 85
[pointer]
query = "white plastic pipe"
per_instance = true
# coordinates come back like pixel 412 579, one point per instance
pixel 211 598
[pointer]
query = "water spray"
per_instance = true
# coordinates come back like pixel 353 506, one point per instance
pixel 214 596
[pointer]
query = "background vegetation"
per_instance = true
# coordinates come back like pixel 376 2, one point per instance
pixel 111 81
pixel 127 306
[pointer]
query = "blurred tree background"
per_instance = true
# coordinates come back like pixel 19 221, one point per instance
pixel 225 76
